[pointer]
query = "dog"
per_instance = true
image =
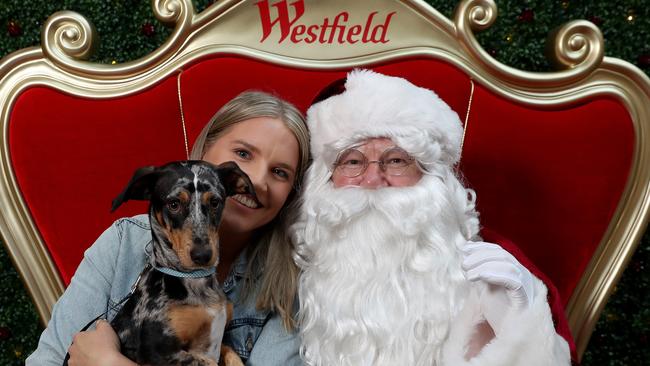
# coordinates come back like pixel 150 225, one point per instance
pixel 177 312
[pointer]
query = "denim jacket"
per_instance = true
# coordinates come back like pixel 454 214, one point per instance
pixel 105 276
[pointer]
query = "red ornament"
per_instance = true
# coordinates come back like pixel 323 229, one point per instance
pixel 14 28
pixel 527 16
pixel 5 333
pixel 644 60
pixel 596 20
pixel 148 29
pixel 493 52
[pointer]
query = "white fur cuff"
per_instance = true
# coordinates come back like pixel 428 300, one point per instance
pixel 526 338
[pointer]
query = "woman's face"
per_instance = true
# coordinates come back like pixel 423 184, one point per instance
pixel 268 152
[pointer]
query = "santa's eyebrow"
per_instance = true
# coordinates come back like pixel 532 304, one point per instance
pixel 358 145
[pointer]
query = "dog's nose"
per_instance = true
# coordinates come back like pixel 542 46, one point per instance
pixel 201 256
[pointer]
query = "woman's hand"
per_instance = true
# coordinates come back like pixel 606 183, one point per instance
pixel 97 347
pixel 509 284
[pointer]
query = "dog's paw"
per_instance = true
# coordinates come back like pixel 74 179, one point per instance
pixel 229 357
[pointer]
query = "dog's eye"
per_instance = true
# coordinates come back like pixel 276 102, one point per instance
pixel 174 205
pixel 214 203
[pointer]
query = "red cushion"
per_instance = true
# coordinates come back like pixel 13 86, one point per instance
pixel 549 180
pixel 72 156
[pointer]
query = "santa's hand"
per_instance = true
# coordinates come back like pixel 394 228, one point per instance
pixel 509 284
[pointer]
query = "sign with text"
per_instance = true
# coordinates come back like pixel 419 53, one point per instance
pixel 284 18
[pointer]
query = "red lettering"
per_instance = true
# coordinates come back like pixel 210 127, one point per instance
pixel 366 30
pixel 297 31
pixel 283 17
pixel 354 31
pixel 383 29
pixel 340 28
pixel 311 34
pixel 336 31
pixel 323 30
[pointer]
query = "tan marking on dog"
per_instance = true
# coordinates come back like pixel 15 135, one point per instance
pixel 184 196
pixel 206 197
pixel 207 361
pixel 191 324
pixel 181 240
pixel 159 218
pixel 229 357
pixel 213 233
pixel 229 311
pixel 213 237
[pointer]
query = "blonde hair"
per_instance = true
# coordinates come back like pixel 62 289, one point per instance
pixel 270 263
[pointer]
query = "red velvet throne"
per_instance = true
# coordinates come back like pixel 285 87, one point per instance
pixel 558 160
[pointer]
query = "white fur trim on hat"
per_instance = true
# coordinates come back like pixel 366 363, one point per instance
pixel 376 105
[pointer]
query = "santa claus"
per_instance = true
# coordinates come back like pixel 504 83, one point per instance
pixel 393 272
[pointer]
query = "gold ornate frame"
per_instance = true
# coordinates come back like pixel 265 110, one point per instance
pixel 233 27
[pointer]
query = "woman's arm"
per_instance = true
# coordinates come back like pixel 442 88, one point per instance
pixel 89 292
pixel 275 346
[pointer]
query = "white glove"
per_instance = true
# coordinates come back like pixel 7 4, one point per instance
pixel 509 284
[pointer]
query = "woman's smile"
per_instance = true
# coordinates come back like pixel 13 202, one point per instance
pixel 247 200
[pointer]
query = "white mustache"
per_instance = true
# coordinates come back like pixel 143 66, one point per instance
pixel 381 270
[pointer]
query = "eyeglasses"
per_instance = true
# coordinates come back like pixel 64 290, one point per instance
pixel 352 162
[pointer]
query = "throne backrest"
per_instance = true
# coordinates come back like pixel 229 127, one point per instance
pixel 555 159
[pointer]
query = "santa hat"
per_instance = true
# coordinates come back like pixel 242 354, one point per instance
pixel 376 105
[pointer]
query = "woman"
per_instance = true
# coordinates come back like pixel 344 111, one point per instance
pixel 268 139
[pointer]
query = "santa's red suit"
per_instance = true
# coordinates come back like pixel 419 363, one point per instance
pixel 398 275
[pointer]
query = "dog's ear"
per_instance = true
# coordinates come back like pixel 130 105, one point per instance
pixel 234 179
pixel 139 187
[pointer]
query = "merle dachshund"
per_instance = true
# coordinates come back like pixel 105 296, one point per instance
pixel 177 312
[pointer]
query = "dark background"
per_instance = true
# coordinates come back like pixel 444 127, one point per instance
pixel 128 31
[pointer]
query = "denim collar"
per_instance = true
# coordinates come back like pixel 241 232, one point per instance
pixel 239 267
pixel 236 272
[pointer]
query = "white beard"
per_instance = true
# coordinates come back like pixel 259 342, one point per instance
pixel 382 275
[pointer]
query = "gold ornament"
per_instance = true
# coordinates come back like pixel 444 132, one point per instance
pixel 509 38
pixel 114 62
pixel 565 5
